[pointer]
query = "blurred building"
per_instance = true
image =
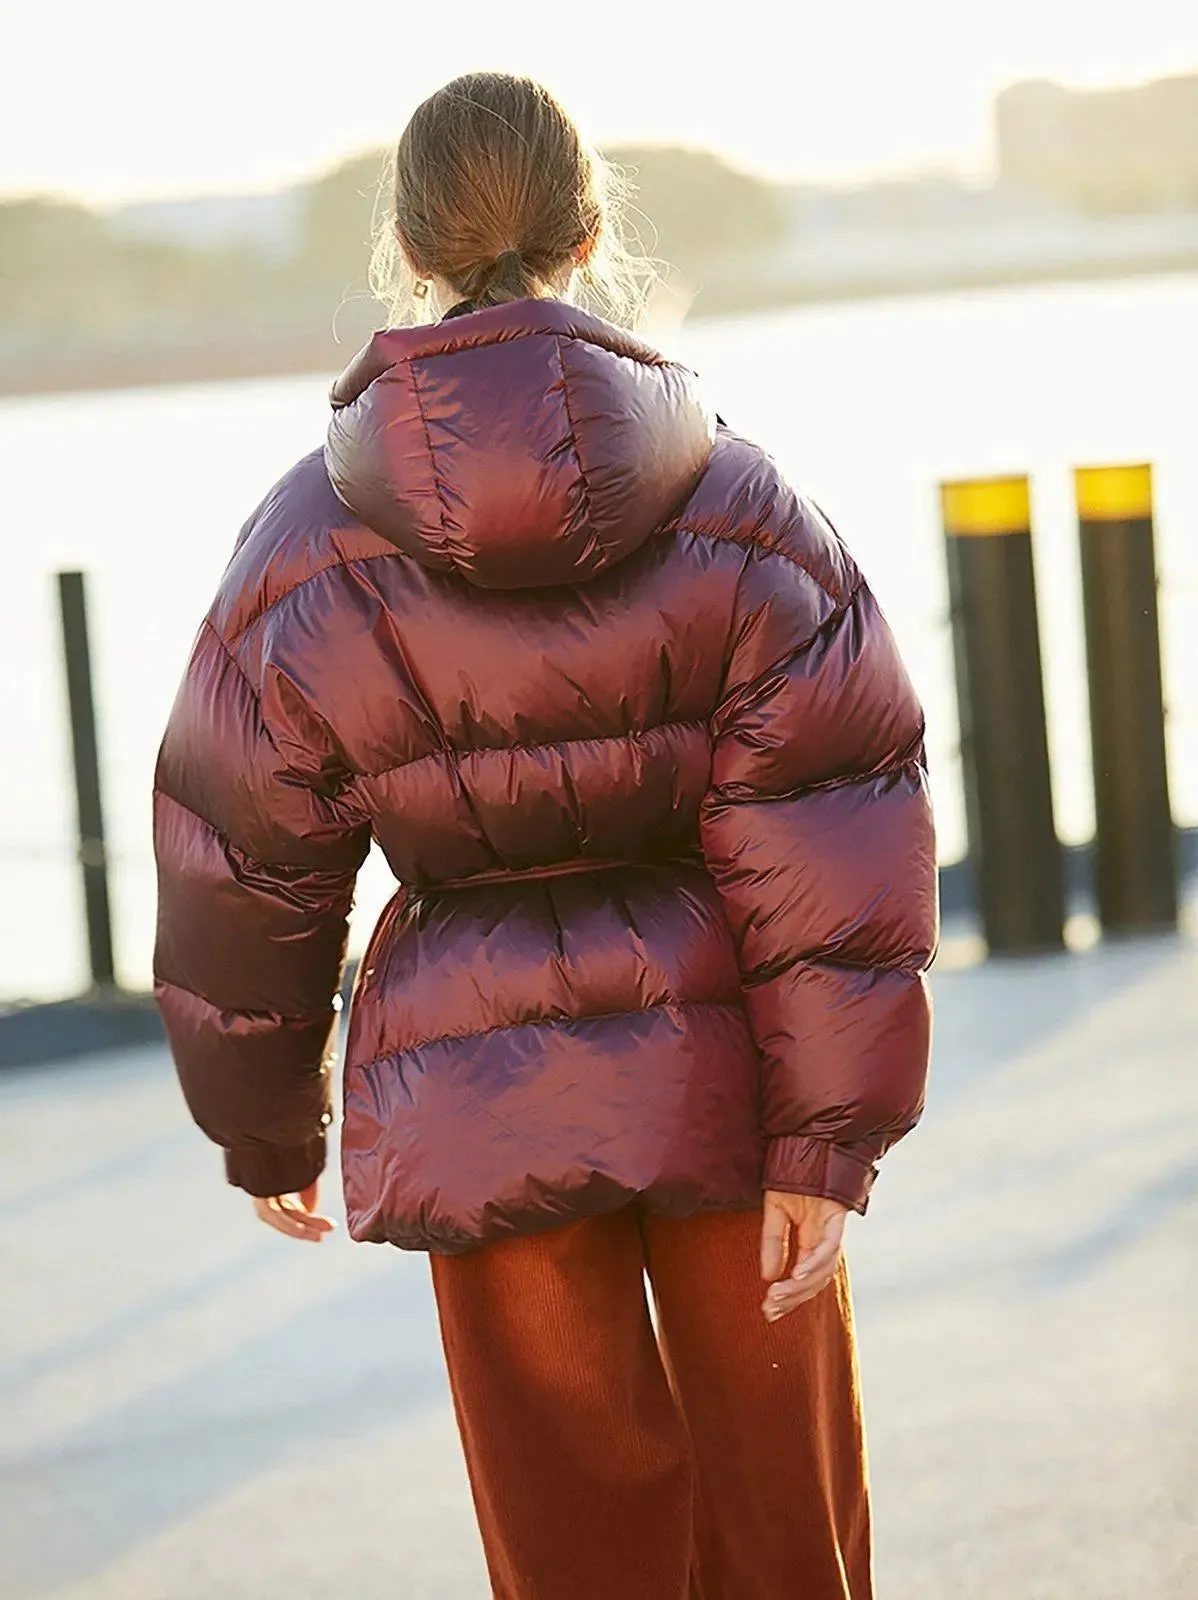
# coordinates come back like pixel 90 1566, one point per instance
pixel 271 224
pixel 1113 150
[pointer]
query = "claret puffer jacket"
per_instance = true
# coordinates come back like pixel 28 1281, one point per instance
pixel 635 739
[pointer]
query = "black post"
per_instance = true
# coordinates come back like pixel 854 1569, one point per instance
pixel 1013 844
pixel 1135 851
pixel 92 855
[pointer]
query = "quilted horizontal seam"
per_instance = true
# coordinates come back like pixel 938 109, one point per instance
pixel 455 755
pixel 306 1019
pixel 549 1022
pixel 909 761
pixel 164 794
pixel 751 540
pixel 737 536
pixel 225 649
pixel 250 859
pixel 831 964
pixel 738 700
pixel 309 577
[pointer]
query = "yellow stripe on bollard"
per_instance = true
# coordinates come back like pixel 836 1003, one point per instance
pixel 984 506
pixel 1113 494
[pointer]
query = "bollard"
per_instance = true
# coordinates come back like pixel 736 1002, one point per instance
pixel 1135 851
pixel 1013 845
pixel 93 858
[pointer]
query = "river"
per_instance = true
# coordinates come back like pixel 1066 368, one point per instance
pixel 867 406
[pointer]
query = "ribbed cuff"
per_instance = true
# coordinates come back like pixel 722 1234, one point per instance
pixel 270 1169
pixel 796 1164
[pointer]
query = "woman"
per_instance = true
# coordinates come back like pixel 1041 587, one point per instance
pixel 629 727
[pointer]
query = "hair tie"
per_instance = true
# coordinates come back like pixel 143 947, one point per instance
pixel 508 255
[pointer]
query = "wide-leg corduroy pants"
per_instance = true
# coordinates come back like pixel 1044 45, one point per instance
pixel 721 1458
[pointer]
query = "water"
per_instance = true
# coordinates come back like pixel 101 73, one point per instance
pixel 866 406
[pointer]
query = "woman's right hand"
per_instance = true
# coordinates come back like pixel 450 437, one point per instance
pixel 807 1231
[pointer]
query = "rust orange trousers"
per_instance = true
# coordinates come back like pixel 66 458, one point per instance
pixel 720 1458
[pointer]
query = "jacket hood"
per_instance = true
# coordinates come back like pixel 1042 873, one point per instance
pixel 523 445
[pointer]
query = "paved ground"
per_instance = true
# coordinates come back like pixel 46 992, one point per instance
pixel 192 1407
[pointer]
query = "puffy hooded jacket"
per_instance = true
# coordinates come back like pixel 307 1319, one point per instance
pixel 627 724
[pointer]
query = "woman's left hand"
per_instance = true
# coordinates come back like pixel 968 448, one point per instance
pixel 295 1215
pixel 809 1232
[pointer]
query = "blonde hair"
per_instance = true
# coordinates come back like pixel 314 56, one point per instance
pixel 493 190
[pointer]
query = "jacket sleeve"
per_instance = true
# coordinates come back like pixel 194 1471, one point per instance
pixel 818 831
pixel 256 870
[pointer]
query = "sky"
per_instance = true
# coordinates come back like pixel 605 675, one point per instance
pixel 137 99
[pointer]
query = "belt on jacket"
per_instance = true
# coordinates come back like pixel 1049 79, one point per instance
pixel 554 869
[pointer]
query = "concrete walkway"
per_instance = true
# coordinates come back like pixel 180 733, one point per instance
pixel 192 1407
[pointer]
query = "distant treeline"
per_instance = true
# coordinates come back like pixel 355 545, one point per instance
pixel 72 279
pixel 279 283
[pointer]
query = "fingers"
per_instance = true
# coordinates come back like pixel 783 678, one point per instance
pixel 785 1297
pixel 775 1236
pixel 823 1252
pixel 813 1270
pixel 287 1214
pixel 810 1275
pixel 774 1311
